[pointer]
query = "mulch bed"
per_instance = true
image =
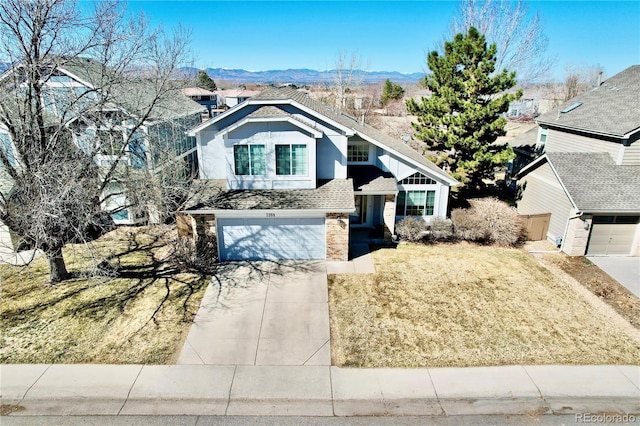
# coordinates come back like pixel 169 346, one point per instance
pixel 605 287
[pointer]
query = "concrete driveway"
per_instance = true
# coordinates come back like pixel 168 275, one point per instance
pixel 625 270
pixel 262 313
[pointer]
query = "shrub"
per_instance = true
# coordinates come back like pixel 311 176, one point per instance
pixel 440 229
pixel 490 221
pixel 411 229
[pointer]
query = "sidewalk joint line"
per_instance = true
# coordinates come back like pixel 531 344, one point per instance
pixel 542 397
pixel 317 350
pixel 226 409
pixel 442 411
pixel 333 400
pixel 625 376
pixel 264 308
pixel 34 383
pixel 129 392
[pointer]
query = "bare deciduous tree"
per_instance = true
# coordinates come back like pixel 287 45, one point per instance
pixel 347 76
pixel 580 79
pixel 78 151
pixel 522 45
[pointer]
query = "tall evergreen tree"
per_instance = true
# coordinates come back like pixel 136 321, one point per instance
pixel 390 91
pixel 203 81
pixel 462 119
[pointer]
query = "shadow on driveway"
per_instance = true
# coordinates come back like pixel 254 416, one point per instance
pixel 262 313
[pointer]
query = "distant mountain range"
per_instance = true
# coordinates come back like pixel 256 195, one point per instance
pixel 298 77
pixel 303 76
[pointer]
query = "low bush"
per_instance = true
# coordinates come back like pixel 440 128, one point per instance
pixel 488 221
pixel 440 229
pixel 411 229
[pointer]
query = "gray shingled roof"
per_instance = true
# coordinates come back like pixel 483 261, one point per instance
pixel 613 108
pixel 332 195
pixel 368 178
pixel 283 94
pixel 528 139
pixel 595 183
pixel 134 95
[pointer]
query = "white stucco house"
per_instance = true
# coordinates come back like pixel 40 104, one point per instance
pixel 283 176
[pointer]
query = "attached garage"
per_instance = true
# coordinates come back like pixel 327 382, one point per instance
pixel 612 235
pixel 271 238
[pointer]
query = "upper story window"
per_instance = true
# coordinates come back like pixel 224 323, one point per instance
pixel 291 160
pixel 249 160
pixel 358 153
pixel 415 203
pixel 417 179
pixel 543 136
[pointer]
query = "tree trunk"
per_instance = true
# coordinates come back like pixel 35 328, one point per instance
pixel 57 268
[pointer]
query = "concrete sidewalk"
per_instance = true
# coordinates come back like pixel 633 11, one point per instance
pixel 316 390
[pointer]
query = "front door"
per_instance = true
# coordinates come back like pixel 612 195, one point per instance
pixel 359 217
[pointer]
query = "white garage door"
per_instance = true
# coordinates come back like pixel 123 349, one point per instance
pixel 612 235
pixel 281 238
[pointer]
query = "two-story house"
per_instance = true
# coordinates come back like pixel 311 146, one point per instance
pixel 283 176
pixel 589 176
pixel 72 97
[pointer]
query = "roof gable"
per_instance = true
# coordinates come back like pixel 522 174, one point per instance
pixel 613 108
pixel 349 125
pixel 593 181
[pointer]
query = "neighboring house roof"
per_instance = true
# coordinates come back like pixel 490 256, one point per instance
pixel 335 195
pixel 593 182
pixel 238 93
pixel 289 95
pixel 612 109
pixel 135 96
pixel 526 140
pixel 197 91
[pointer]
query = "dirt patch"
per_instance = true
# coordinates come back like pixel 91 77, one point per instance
pixel 600 284
pixel 6 409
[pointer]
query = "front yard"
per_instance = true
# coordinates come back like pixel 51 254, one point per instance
pixel 467 305
pixel 138 312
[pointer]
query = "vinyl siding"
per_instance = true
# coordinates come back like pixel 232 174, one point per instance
pixel 543 194
pixel 558 141
pixel 631 155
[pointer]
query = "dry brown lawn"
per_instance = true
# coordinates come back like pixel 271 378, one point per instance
pixel 467 305
pixel 139 314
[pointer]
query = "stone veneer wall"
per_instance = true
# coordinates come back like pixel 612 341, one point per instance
pixel 575 243
pixel 205 225
pixel 389 216
pixel 337 234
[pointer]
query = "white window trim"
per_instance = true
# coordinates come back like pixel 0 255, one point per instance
pixel 275 160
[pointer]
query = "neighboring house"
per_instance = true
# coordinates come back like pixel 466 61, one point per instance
pixel 536 99
pixel 204 97
pixel 166 125
pixel 526 148
pixel 233 97
pixel 283 176
pixel 589 178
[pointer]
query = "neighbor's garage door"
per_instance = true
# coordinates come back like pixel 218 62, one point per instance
pixel 281 238
pixel 612 235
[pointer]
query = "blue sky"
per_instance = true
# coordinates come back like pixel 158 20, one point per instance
pixel 387 35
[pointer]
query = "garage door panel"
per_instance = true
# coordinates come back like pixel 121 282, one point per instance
pixel 285 238
pixel 611 239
